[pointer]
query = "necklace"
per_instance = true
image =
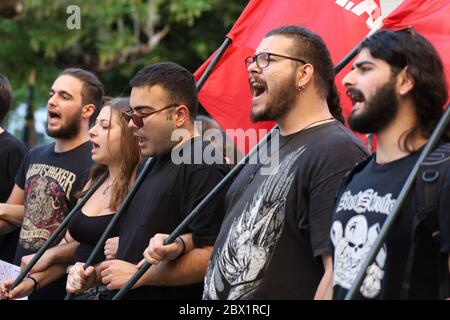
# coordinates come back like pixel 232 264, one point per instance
pixel 258 166
pixel 106 190
pixel 309 125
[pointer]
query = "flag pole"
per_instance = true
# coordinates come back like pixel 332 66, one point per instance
pixel 196 211
pixel 57 232
pixel 341 65
pixel 407 187
pixel 101 242
pixel 226 43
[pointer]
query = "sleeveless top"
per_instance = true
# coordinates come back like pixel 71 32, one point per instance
pixel 87 231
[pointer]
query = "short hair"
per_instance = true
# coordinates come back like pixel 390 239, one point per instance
pixel 407 48
pixel 6 94
pixel 310 47
pixel 177 81
pixel 92 91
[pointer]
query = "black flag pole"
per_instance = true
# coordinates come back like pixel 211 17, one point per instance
pixel 196 211
pixel 226 43
pixel 406 189
pixel 61 228
pixel 123 206
pixel 346 60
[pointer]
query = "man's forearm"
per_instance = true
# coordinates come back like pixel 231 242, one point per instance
pixel 63 253
pixel 188 269
pixel 49 275
pixel 325 289
pixel 12 213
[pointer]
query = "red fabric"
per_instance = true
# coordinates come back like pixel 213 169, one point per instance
pixel 430 19
pixel 226 94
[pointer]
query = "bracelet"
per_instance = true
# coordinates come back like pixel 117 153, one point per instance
pixel 184 245
pixel 35 284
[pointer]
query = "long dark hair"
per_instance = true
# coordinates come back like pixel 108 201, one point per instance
pixel 407 48
pixel 130 156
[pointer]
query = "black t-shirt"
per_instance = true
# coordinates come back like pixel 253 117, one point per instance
pixel 360 213
pixel 277 223
pixel 51 182
pixel 169 192
pixel 12 151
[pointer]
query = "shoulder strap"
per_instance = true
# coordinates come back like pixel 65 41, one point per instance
pixel 429 182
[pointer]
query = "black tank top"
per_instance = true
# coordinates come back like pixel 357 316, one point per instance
pixel 87 231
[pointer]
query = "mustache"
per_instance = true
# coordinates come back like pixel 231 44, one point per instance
pixel 355 94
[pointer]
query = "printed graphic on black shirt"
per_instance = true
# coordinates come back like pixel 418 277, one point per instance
pixel 46 206
pixel 249 245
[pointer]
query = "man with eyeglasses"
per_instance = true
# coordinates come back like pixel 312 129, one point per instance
pixel 273 243
pixel 164 105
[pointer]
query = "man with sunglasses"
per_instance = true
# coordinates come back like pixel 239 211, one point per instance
pixel 163 107
pixel 273 243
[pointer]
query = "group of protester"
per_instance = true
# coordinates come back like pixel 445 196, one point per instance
pixel 299 229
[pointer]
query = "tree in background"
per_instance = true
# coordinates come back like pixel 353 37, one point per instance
pixel 115 39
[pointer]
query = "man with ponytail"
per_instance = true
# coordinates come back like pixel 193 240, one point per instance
pixel 273 243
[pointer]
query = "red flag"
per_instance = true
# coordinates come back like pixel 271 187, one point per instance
pixel 342 24
pixel 430 19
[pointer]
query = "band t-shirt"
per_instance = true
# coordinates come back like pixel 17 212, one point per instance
pixel 51 182
pixel 361 211
pixel 277 222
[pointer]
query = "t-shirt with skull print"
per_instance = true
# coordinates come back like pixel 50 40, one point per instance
pixel 361 210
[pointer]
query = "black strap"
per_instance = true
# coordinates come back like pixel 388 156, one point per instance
pixel 428 189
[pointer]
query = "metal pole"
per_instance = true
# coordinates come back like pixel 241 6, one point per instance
pixel 57 232
pixel 431 143
pixel 213 63
pixel 195 212
pixel 341 65
pixel 100 244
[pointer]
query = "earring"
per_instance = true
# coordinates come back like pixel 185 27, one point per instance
pixel 300 88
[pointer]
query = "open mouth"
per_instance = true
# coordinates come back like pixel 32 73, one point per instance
pixel 140 139
pixel 257 87
pixel 355 96
pixel 95 146
pixel 53 115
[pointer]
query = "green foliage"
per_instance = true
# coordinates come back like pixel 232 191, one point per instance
pixel 39 41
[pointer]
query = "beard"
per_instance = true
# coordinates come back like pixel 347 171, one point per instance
pixel 68 131
pixel 378 112
pixel 279 101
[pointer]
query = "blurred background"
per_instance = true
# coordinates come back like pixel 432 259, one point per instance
pixel 113 38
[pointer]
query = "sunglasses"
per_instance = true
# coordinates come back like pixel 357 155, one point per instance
pixel 138 118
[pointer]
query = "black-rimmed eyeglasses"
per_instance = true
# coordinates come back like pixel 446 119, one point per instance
pixel 263 59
